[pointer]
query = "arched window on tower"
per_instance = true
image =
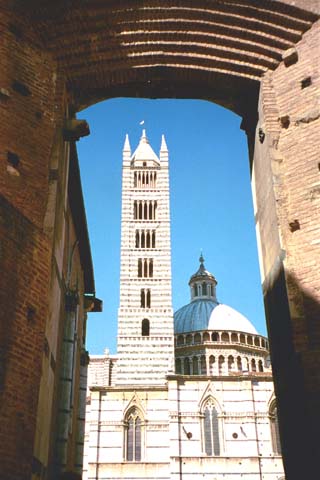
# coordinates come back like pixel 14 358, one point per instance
pixel 142 298
pixel 148 239
pixel 133 437
pixel 274 427
pixel 143 240
pixel 148 299
pixel 211 440
pixel 145 327
pixel 139 267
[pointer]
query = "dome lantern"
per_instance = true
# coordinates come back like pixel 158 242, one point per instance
pixel 202 283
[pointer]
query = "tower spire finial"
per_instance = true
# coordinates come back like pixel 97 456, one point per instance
pixel 144 136
pixel 201 259
pixel 163 147
pixel 126 146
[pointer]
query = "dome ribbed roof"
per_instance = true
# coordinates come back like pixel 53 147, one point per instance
pixel 194 316
pixel 209 315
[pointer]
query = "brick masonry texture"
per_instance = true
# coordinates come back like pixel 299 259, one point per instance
pixel 220 51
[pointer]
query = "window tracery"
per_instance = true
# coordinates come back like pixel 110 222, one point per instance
pixel 133 436
pixel 274 427
pixel 211 429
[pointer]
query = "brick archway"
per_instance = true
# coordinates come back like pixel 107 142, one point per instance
pixel 257 58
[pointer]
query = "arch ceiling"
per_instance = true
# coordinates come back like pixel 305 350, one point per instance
pixel 161 48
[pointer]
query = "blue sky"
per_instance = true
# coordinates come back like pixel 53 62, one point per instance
pixel 211 202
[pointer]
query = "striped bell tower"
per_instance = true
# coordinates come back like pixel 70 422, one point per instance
pixel 145 318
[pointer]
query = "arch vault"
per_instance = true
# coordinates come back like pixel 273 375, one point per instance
pixel 259 58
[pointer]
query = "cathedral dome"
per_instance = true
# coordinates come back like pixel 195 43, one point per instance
pixel 204 312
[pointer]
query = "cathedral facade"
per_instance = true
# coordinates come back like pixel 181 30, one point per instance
pixel 190 394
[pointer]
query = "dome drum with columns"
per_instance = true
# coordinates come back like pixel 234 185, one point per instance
pixel 214 339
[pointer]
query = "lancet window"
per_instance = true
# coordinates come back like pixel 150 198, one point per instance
pixel 145 298
pixel 133 425
pixel 145 209
pixel 211 429
pixel 145 267
pixel 145 179
pixel 145 239
pixel 145 327
pixel 274 427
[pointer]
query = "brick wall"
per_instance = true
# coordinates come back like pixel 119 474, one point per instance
pixel 28 83
pixel 286 180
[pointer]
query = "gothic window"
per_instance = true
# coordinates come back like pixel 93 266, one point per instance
pixel 145 327
pixel 211 429
pixel 195 290
pixel 137 239
pixel 140 211
pixel 133 436
pixel 274 427
pixel 204 288
pixel 143 239
pixel 153 239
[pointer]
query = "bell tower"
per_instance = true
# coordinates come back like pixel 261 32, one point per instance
pixel 145 318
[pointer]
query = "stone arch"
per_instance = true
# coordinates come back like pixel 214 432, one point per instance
pixel 227 49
